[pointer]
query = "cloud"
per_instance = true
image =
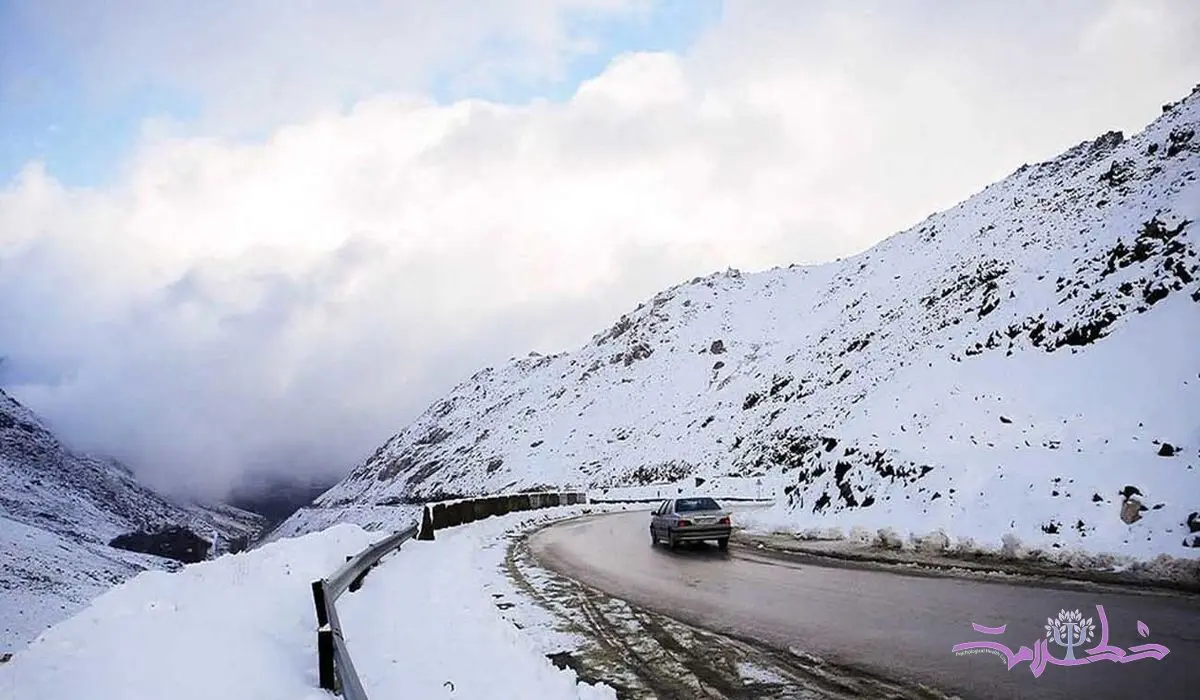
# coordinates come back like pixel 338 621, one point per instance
pixel 254 64
pixel 231 308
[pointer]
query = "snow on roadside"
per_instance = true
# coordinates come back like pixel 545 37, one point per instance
pixel 428 622
pixel 243 626
pixel 769 527
pixel 46 577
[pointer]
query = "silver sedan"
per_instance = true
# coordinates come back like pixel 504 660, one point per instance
pixel 690 520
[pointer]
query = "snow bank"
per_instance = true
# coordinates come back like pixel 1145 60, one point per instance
pixel 46 577
pixel 243 626
pixel 428 616
pixel 368 517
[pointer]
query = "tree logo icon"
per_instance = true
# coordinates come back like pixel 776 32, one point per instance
pixel 1070 630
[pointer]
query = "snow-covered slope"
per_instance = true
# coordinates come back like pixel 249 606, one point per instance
pixel 1013 364
pixel 47 577
pixel 58 512
pixel 46 485
pixel 242 628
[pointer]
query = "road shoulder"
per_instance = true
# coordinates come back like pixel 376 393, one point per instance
pixel 1175 580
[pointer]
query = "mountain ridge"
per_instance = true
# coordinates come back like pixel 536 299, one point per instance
pixel 47 485
pixel 1002 338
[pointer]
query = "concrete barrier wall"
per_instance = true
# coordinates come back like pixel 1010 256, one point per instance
pixel 455 513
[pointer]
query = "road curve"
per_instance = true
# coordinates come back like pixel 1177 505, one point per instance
pixel 896 625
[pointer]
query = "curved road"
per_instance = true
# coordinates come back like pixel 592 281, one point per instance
pixel 896 625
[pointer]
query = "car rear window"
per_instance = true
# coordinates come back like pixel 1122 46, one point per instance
pixel 686 505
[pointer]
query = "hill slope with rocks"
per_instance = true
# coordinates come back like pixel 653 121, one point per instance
pixel 59 513
pixel 1024 364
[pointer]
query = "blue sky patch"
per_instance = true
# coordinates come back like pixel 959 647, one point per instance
pixel 47 114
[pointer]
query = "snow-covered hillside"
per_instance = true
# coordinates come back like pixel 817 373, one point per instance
pixel 1019 363
pixel 44 484
pixel 58 512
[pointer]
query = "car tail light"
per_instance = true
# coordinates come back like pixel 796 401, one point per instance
pixel 685 523
pixel 724 521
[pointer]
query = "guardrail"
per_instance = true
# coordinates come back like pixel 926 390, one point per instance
pixel 335 668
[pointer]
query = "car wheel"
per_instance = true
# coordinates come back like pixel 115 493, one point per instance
pixel 671 543
pixel 653 538
pixel 723 543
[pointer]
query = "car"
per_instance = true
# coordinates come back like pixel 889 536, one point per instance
pixel 690 520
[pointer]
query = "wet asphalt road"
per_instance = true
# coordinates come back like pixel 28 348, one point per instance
pixel 898 626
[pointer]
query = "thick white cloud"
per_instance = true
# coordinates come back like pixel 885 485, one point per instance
pixel 232 308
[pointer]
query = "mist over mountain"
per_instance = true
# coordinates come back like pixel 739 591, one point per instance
pixel 275 499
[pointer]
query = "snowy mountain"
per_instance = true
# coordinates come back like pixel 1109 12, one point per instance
pixel 58 513
pixel 45 485
pixel 1025 362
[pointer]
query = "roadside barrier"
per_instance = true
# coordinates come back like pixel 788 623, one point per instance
pixel 335 668
pixel 659 499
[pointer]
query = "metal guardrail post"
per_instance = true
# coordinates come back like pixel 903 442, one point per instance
pixel 325 671
pixel 318 590
pixel 326 674
pixel 425 533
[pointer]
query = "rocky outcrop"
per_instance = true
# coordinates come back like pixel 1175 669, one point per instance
pixel 178 543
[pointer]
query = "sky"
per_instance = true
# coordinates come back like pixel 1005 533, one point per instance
pixel 239 241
